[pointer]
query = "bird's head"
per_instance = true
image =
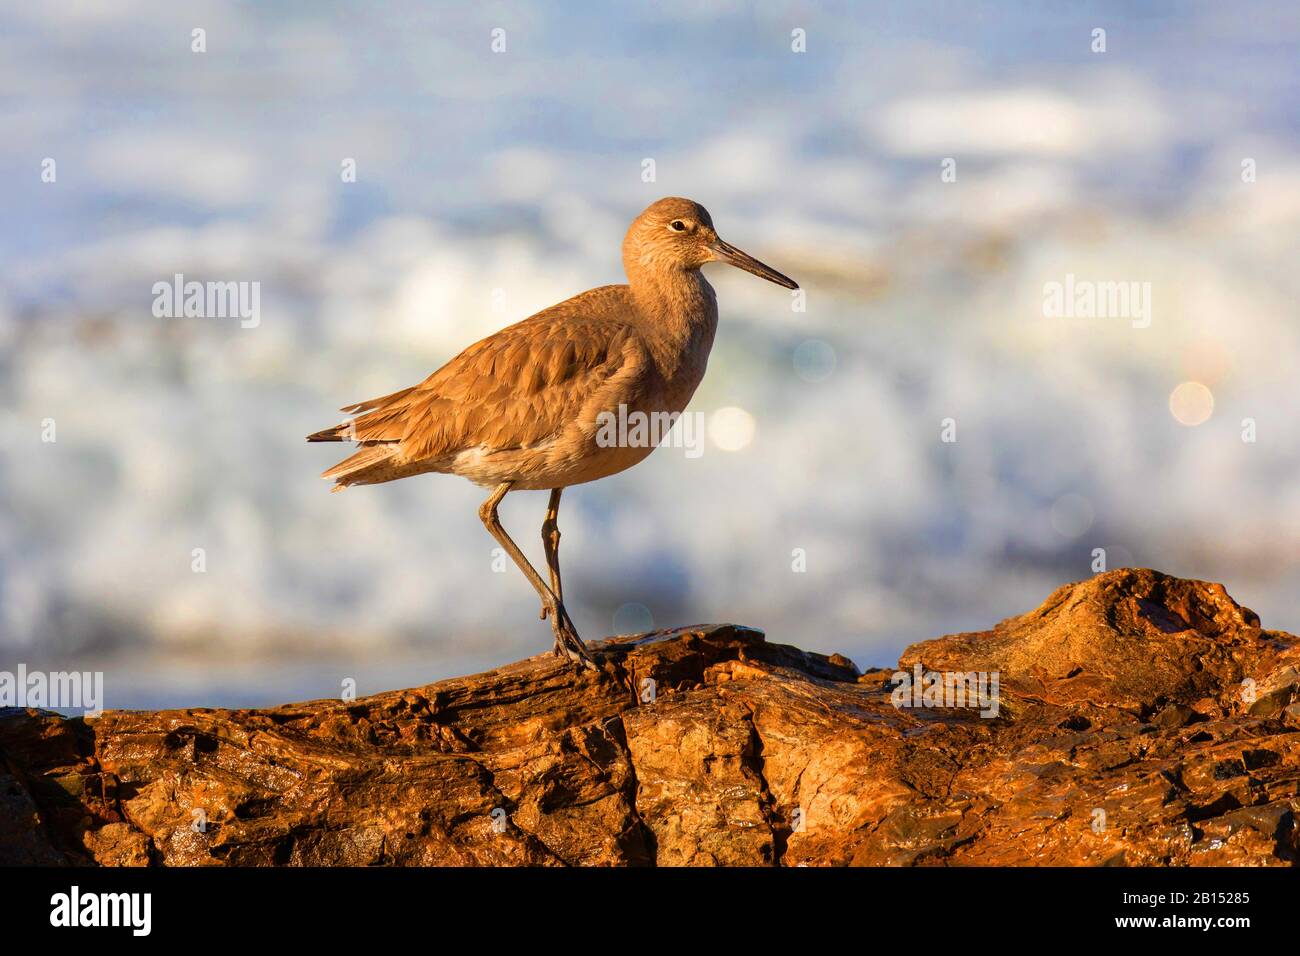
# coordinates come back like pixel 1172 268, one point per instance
pixel 677 235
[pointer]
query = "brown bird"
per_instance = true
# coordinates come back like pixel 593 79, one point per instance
pixel 522 409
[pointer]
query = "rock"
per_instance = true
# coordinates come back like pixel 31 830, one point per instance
pixel 1173 716
pixel 1128 730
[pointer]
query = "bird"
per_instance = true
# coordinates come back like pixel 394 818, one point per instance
pixel 521 410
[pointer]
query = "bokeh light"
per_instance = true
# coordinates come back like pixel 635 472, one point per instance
pixel 633 619
pixel 814 360
pixel 1191 404
pixel 732 428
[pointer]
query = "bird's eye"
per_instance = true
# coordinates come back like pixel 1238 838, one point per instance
pixel 677 225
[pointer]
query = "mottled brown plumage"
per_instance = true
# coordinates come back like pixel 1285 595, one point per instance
pixel 520 409
pixel 519 404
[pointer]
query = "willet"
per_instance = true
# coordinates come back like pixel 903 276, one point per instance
pixel 521 409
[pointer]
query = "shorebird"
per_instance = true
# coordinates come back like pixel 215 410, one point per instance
pixel 521 409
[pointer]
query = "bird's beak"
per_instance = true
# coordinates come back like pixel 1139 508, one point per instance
pixel 726 252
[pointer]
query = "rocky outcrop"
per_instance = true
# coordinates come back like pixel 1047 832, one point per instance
pixel 1139 719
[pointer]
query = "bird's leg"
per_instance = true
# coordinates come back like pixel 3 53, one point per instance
pixel 566 636
pixel 551 544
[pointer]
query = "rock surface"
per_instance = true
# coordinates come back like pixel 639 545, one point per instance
pixel 1141 719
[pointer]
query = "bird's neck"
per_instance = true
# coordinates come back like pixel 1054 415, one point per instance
pixel 679 316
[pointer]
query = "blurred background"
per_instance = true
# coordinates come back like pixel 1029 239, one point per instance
pixel 492 184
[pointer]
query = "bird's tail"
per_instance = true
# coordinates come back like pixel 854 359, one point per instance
pixel 369 465
pixel 374 431
pixel 337 433
pixel 362 429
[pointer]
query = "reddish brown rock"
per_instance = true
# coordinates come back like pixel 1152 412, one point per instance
pixel 1142 719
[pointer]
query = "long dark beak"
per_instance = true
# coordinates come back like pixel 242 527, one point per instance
pixel 726 252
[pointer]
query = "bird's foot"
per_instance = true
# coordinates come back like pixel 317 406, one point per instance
pixel 567 642
pixel 576 652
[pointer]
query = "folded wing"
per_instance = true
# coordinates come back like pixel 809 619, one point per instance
pixel 521 387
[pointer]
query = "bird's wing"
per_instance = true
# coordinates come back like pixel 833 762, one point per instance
pixel 517 388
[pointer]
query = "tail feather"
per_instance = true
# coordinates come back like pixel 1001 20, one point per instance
pixel 368 464
pixel 378 430
pixel 374 414
pixel 373 403
pixel 337 433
